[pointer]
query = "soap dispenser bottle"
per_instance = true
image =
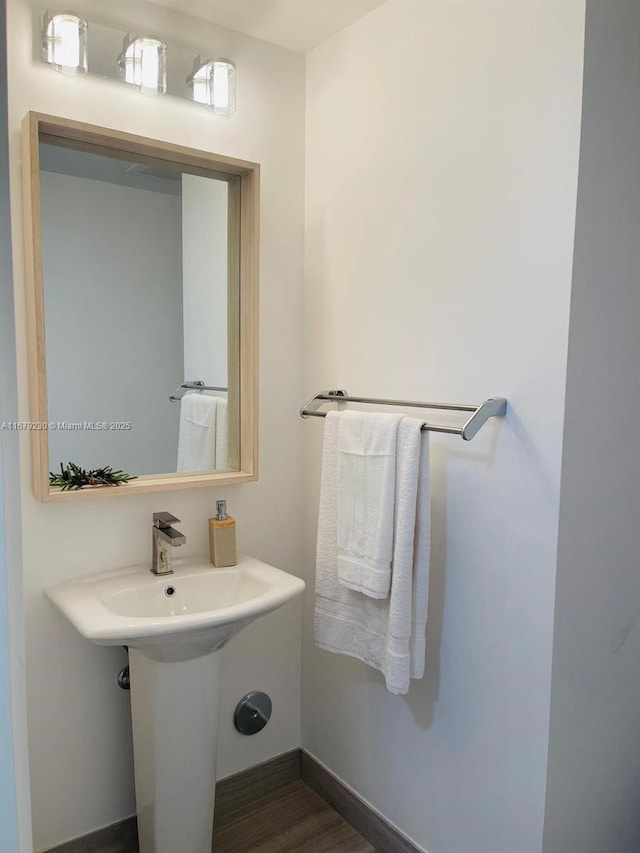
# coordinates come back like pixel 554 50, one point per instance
pixel 222 537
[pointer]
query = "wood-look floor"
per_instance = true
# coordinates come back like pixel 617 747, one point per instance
pixel 291 819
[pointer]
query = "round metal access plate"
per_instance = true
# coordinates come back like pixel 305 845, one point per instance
pixel 252 713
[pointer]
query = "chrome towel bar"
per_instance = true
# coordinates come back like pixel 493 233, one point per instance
pixel 491 408
pixel 196 385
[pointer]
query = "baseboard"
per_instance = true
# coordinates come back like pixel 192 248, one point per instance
pixel 371 826
pixel 235 792
pixel 120 837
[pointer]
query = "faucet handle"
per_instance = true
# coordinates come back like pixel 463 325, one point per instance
pixel 164 520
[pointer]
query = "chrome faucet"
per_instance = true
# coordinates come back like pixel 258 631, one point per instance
pixel 164 539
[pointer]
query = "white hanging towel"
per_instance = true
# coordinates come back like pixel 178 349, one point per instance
pixel 387 634
pixel 197 432
pixel 366 481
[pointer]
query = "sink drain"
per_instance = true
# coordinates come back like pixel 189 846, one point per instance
pixel 170 590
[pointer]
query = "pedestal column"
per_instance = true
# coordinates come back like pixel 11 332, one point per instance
pixel 175 709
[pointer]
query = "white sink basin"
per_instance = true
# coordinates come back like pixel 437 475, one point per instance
pixel 176 617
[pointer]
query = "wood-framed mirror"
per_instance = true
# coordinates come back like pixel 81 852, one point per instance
pixel 142 309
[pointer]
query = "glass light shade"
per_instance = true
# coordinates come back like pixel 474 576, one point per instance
pixel 64 42
pixel 200 82
pixel 224 87
pixel 143 64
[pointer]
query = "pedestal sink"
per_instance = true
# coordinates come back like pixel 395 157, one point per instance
pixel 174 626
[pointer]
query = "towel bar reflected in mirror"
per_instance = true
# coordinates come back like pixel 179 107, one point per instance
pixel 196 385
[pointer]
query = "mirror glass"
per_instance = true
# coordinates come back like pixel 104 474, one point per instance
pixel 140 339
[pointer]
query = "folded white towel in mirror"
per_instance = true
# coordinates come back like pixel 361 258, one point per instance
pixel 365 500
pixel 197 432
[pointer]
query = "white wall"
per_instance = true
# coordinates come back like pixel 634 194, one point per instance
pixel 8 804
pixel 127 243
pixel 15 824
pixel 442 157
pixel 204 279
pixel 79 720
pixel 593 796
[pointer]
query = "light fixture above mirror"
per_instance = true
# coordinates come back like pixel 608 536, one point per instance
pixel 64 42
pixel 143 64
pixel 212 83
pixel 71 45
